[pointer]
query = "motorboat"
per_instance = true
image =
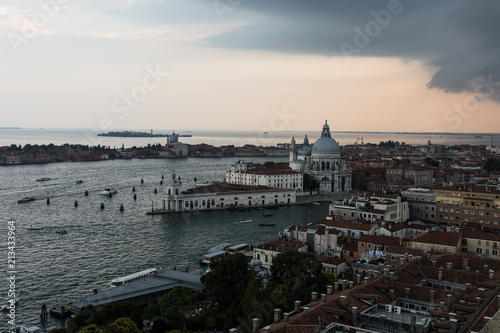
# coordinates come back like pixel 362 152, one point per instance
pixel 79 181
pixel 108 191
pixel 267 215
pixel 246 221
pixel 26 199
pixel 267 224
pixel 8 303
pixel 33 227
pixel 61 232
pixel 43 179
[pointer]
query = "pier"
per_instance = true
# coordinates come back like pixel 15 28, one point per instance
pixel 143 291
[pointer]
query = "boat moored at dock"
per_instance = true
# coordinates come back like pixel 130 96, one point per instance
pixel 213 258
pixel 133 277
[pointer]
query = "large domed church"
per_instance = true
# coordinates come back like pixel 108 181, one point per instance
pixel 323 162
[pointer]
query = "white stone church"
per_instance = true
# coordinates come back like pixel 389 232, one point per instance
pixel 323 162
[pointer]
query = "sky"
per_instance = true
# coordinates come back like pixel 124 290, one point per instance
pixel 280 65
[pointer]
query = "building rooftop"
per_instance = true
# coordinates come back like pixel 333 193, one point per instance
pixel 448 238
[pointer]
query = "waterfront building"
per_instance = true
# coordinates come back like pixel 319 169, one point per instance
pixel 319 239
pixel 222 196
pixel 272 175
pixel 323 162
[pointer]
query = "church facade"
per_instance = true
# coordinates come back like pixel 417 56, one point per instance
pixel 323 162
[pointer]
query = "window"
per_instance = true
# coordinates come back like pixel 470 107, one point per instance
pixel 479 250
pixel 494 252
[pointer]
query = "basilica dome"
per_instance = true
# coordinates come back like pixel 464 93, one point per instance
pixel 326 145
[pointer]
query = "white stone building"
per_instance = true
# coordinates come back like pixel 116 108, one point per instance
pixel 222 196
pixel 323 162
pixel 277 175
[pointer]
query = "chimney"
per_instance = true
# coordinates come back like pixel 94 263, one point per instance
pixel 351 284
pixel 453 325
pixel 466 263
pixel 431 296
pixel 344 284
pixel 478 301
pixel 306 311
pixel 286 315
pixel 297 306
pixel 440 275
pixel 336 288
pixel 467 269
pixel 410 257
pixel 391 294
pixel 343 301
pixel 407 292
pixel 366 279
pixel 314 296
pixel 401 260
pixel 354 315
pixel 448 301
pixel 323 298
pixel 391 275
pixel 491 274
pixel 485 269
pixel 449 265
pixel 329 289
pixel 413 321
pixel 386 271
pixel 481 292
pixel 419 260
pixel 375 274
pixel 358 278
pixel 277 315
pixel 441 306
pixel 433 263
pixel 255 326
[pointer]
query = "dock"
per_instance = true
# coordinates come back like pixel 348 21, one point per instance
pixel 143 291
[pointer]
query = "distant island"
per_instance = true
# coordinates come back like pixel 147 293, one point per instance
pixel 10 127
pixel 130 134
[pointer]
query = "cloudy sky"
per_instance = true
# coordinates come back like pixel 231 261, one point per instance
pixel 379 65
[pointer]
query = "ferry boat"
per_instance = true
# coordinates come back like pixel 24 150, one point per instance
pixel 43 179
pixel 240 248
pixel 133 277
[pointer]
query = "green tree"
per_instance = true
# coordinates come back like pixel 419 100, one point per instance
pixel 268 164
pixel 159 326
pixel 309 182
pixel 228 280
pixel 299 271
pixel 330 279
pixel 431 161
pixel 151 311
pixel 123 325
pixel 177 297
pixel 492 164
pixel 92 329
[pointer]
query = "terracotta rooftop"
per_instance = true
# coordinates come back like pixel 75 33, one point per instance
pixel 481 235
pixel 448 238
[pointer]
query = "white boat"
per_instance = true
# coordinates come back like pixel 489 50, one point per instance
pixel 24 329
pixel 8 303
pixel 33 227
pixel 246 221
pixel 133 277
pixel 108 191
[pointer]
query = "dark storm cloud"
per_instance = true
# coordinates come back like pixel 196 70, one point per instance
pixel 459 38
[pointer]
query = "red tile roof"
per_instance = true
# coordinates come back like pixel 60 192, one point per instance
pixel 279 245
pixel 448 238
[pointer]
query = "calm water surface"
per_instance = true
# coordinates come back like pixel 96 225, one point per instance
pixel 104 244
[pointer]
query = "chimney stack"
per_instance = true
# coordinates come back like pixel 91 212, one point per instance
pixel 440 275
pixel 314 296
pixel 355 315
pixel 433 263
pixel 491 274
pixel 277 315
pixel 351 284
pixel 466 263
pixel 366 279
pixel 431 296
pixel 344 284
pixel 453 325
pixel 358 278
pixel 329 289
pixel 448 301
pixel 323 298
pixel 343 301
pixel 449 265
pixel 336 288
pixel 407 292
pixel 255 326
pixel 297 306
pixel 391 294
pixel 486 269
pixel 481 292
pixel 286 315
pixel 306 311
